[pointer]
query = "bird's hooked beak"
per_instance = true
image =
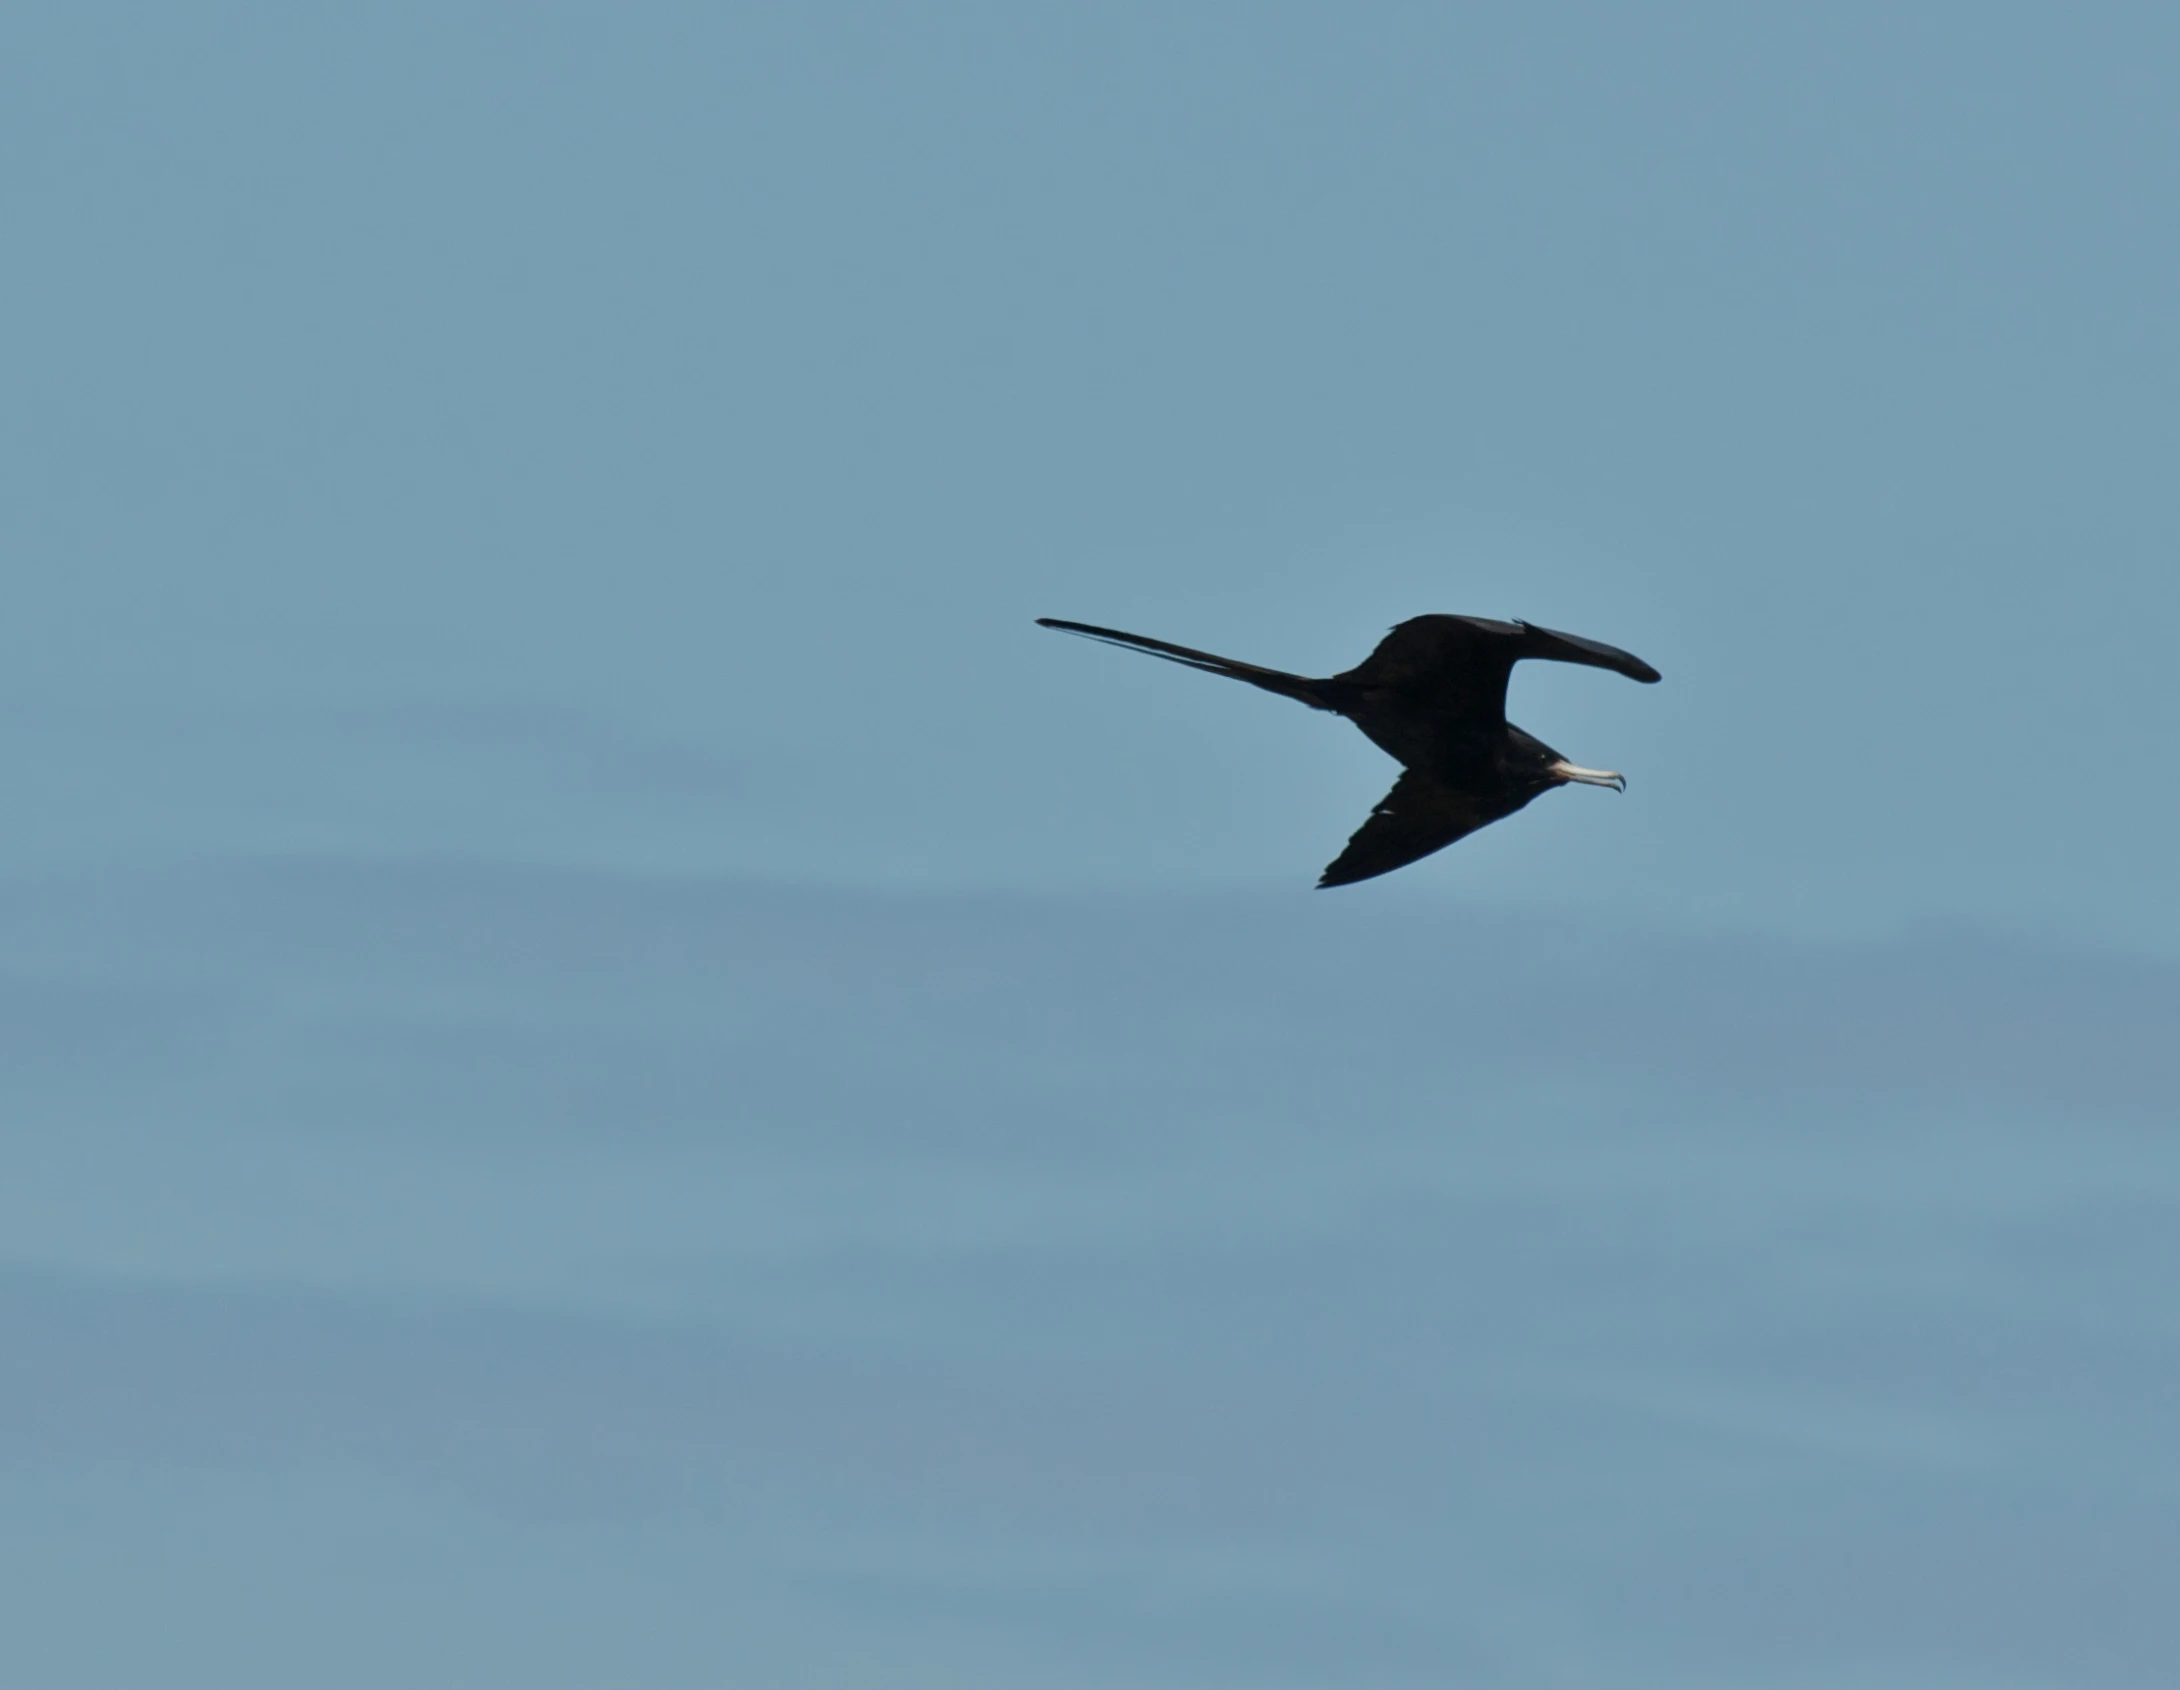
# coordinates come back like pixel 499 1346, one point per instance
pixel 1564 770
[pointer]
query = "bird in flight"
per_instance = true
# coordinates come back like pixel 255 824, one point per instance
pixel 1433 696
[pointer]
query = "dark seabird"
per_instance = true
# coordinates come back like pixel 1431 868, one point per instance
pixel 1433 695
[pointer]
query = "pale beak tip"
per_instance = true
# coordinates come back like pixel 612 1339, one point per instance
pixel 1590 777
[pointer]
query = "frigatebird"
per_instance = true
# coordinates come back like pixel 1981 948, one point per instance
pixel 1432 695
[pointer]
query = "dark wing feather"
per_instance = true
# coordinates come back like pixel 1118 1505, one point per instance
pixel 1457 666
pixel 1573 648
pixel 1420 815
pixel 1450 665
pixel 1421 650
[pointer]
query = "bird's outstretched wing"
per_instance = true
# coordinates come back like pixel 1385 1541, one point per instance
pixel 1420 815
pixel 1271 680
pixel 1459 664
pixel 1573 648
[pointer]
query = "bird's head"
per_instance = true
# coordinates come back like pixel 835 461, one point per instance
pixel 1536 768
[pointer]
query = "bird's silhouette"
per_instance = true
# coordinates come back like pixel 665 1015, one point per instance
pixel 1433 695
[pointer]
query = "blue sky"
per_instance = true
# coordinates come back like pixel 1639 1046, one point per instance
pixel 611 1070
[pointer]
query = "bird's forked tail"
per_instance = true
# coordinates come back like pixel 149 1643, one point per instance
pixel 1297 687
